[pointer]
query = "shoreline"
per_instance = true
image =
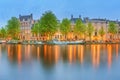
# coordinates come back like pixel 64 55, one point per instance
pixel 83 43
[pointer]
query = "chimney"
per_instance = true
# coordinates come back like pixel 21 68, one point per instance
pixel 71 16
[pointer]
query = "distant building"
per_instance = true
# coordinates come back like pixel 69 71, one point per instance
pixel 73 20
pixel 97 23
pixel 26 22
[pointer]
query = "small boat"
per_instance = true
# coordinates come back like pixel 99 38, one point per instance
pixel 24 42
pixel 2 41
pixel 12 42
pixel 76 42
pixel 60 42
pixel 39 42
pixel 57 42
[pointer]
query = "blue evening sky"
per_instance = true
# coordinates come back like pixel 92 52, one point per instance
pixel 109 9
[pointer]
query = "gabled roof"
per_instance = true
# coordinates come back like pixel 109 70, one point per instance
pixel 25 17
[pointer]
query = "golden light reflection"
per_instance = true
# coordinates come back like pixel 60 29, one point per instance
pixel 0 52
pixel 10 52
pixel 98 55
pixel 109 55
pixel 80 53
pixel 116 51
pixel 57 52
pixel 45 51
pixel 52 53
pixel 74 52
pixel 38 53
pixel 49 53
pixel 27 52
pixel 70 53
pixel 19 55
pixel 95 55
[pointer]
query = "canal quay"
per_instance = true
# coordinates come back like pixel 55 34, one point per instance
pixel 59 62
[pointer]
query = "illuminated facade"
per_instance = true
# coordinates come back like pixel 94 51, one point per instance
pixel 97 23
pixel 26 23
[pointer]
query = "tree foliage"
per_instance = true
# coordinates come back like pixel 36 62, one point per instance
pixel 36 28
pixel 3 33
pixel 112 28
pixel 90 30
pixel 48 23
pixel 65 26
pixel 13 27
pixel 102 32
pixel 79 28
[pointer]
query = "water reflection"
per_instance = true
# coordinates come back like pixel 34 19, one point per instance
pixel 19 54
pixel 50 55
pixel 116 51
pixel 109 48
pixel 0 53
pixel 95 50
pixel 80 53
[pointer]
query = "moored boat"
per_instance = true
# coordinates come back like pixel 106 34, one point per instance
pixel 2 41
pixel 12 42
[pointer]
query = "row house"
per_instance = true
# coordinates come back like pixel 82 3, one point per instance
pixel 26 22
pixel 97 23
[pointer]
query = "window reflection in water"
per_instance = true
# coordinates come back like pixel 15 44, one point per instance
pixel 38 52
pixel 10 52
pixel 95 52
pixel 45 51
pixel 27 52
pixel 70 50
pixel 109 48
pixel 0 53
pixel 80 53
pixel 56 52
pixel 52 54
pixel 116 51
pixel 98 55
pixel 75 52
pixel 19 54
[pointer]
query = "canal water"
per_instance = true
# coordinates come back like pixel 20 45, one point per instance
pixel 59 62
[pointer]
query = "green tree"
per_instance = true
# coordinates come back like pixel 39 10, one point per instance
pixel 3 33
pixel 48 24
pixel 79 28
pixel 112 29
pixel 65 27
pixel 90 30
pixel 102 32
pixel 36 29
pixel 13 28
